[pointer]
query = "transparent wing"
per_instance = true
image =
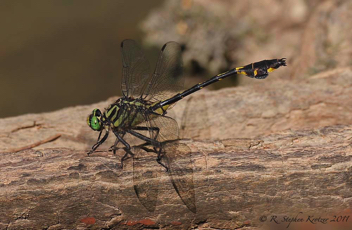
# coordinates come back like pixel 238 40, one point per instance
pixel 145 175
pixel 157 127
pixel 168 128
pixel 178 159
pixel 136 71
pixel 146 178
pixel 176 155
pixel 167 79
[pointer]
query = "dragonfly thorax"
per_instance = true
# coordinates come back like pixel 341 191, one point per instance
pixel 126 112
pixel 123 113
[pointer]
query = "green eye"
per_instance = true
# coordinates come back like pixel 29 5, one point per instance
pixel 95 123
pixel 93 120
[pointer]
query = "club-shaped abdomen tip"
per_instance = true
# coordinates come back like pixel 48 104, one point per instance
pixel 282 62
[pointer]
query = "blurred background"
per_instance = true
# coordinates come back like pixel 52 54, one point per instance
pixel 56 54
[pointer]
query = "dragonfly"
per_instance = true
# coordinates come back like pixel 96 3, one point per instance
pixel 141 112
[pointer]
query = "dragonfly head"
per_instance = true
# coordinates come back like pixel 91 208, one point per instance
pixel 94 120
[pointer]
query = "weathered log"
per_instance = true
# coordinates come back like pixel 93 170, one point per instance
pixel 236 182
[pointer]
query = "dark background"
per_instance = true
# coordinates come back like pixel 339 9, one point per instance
pixel 55 54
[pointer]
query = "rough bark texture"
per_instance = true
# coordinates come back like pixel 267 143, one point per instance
pixel 279 151
pixel 236 181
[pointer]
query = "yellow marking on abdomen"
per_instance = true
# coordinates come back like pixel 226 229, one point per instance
pixel 271 69
pixel 221 74
pixel 161 110
pixel 242 72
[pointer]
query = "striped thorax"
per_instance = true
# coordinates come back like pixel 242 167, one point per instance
pixel 126 112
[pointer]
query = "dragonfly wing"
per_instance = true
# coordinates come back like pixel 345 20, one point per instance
pixel 178 159
pixel 136 71
pixel 167 127
pixel 167 79
pixel 145 179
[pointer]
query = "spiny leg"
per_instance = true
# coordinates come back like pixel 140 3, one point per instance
pixel 160 156
pixel 99 142
pixel 154 150
pixel 155 144
pixel 147 129
pixel 113 148
pixel 159 152
pixel 157 129
pixel 127 152
pixel 144 138
pixel 127 146
pixel 99 135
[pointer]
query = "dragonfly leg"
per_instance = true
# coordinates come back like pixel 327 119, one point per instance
pixel 158 159
pixel 144 138
pixel 155 144
pixel 99 142
pixel 113 148
pixel 147 129
pixel 128 152
pixel 127 147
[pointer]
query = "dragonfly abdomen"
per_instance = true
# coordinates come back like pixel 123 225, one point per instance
pixel 257 70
